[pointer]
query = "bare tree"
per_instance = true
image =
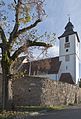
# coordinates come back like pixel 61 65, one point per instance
pixel 26 15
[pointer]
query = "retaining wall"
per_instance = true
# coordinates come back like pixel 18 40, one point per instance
pixel 45 92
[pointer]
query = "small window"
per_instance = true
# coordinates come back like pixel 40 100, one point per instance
pixel 67 39
pixel 67 58
pixel 66 50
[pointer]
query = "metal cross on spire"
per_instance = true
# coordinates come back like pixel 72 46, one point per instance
pixel 68 17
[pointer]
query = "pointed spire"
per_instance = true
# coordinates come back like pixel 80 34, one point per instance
pixel 69 30
pixel 69 26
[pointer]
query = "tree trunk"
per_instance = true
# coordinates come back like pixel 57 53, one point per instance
pixel 6 86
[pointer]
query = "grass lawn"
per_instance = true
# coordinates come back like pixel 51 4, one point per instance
pixel 27 110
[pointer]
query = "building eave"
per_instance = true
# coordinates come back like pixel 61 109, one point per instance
pixel 69 33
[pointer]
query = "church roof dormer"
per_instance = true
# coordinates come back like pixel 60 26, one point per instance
pixel 69 30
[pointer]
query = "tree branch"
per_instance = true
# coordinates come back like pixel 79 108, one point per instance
pixel 16 26
pixel 3 37
pixel 15 33
pixel 27 28
pixel 25 46
pixel 1 45
pixel 15 1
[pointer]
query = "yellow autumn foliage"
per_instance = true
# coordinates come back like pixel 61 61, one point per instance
pixel 25 20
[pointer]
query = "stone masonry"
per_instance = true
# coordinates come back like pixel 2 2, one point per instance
pixel 44 92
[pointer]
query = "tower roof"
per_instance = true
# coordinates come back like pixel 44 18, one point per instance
pixel 69 31
pixel 69 27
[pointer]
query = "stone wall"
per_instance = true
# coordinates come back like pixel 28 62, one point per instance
pixel 45 92
pixel 27 91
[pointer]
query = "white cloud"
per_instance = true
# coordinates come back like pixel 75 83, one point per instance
pixel 51 52
pixel 54 51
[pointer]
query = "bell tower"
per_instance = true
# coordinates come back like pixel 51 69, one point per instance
pixel 69 55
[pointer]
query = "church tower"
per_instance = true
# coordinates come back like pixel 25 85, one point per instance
pixel 69 55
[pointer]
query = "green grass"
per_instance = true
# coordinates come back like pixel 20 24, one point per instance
pixel 26 110
pixel 56 107
pixel 38 108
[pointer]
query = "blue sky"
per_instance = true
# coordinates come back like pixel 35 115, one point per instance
pixel 57 19
pixel 58 11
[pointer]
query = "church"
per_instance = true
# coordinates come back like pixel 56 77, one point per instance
pixel 65 67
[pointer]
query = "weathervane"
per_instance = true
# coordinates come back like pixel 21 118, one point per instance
pixel 68 17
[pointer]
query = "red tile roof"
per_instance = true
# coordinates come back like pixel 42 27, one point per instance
pixel 46 66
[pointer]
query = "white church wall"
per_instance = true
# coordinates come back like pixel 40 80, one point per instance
pixel 67 66
pixel 77 57
pixel 77 70
pixel 62 47
pixel 71 66
pixel 77 47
